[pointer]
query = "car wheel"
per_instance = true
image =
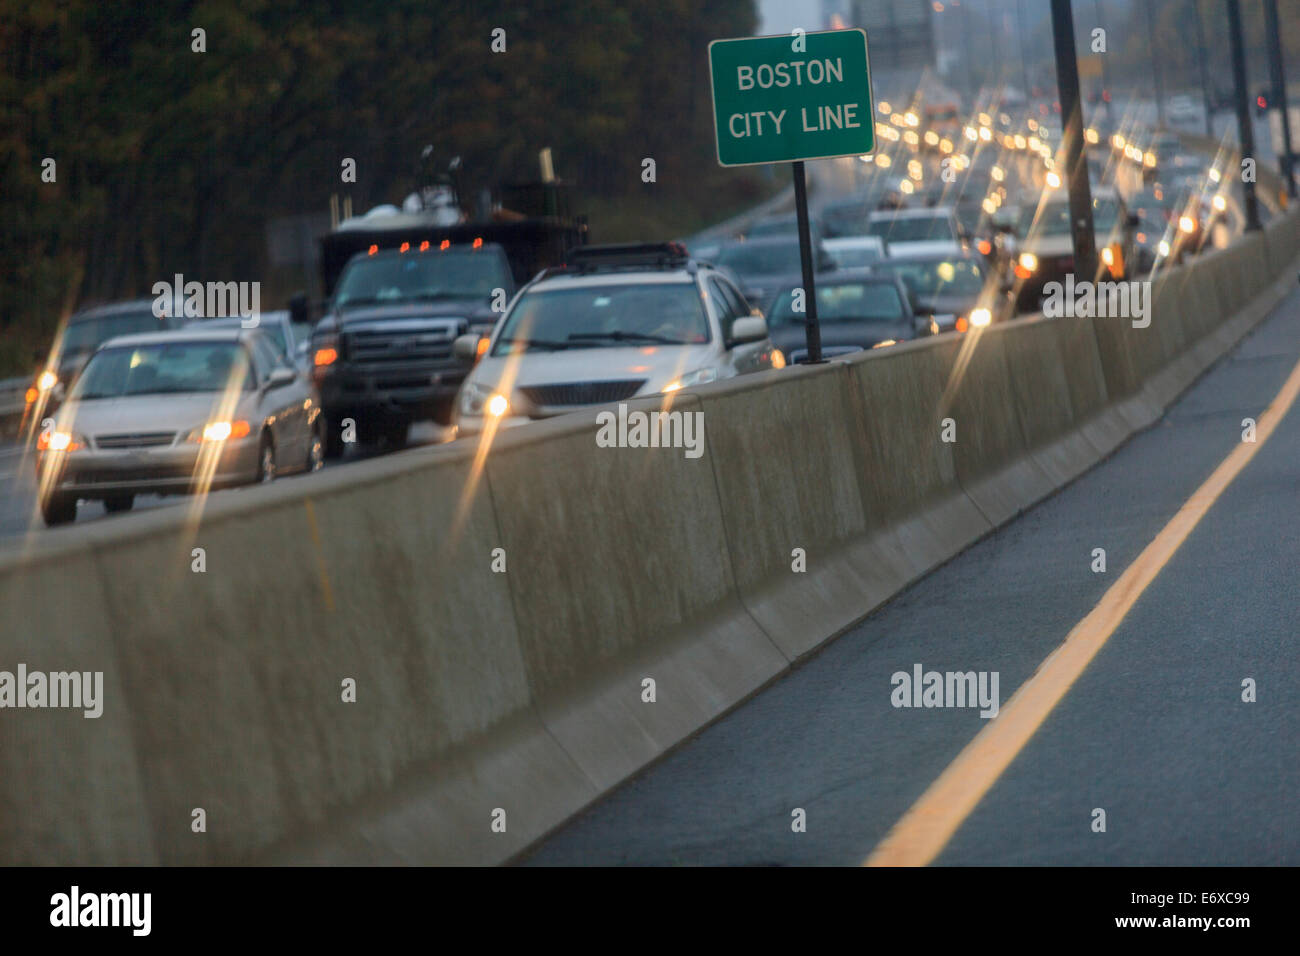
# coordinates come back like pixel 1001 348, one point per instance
pixel 333 437
pixel 266 462
pixel 316 449
pixel 58 509
pixel 395 434
pixel 119 503
pixel 443 411
pixel 369 434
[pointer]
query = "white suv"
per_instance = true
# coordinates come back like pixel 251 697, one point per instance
pixel 612 323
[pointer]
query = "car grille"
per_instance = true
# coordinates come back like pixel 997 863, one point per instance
pixel 135 440
pixel 581 393
pixel 392 348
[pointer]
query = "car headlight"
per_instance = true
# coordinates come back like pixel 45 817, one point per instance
pixel 478 400
pixel 1163 248
pixel 59 441
pixel 701 376
pixel 46 381
pixel 1187 224
pixel 1028 261
pixel 1219 203
pixel 979 317
pixel 1108 256
pixel 219 431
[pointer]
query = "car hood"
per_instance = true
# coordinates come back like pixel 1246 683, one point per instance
pixel 792 339
pixel 657 364
pixel 411 313
pixel 149 413
pixel 71 363
pixel 946 304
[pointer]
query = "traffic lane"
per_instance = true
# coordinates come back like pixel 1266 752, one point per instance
pixel 1155 732
pixel 19 514
pixel 826 738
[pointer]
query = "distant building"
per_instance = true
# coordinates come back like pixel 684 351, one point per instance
pixel 900 32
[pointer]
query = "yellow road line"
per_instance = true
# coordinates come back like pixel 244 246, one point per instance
pixel 926 828
pixel 320 556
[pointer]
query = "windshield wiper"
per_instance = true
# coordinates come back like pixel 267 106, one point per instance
pixel 537 344
pixel 624 337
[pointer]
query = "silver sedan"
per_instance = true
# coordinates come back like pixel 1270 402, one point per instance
pixel 177 412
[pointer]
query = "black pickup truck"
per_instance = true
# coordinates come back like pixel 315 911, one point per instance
pixel 401 288
pixel 382 354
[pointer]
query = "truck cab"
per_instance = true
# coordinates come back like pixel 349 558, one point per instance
pixel 382 354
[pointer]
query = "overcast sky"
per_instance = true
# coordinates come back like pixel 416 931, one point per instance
pixel 782 16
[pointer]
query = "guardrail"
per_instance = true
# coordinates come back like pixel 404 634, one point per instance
pixel 12 402
pixel 437 658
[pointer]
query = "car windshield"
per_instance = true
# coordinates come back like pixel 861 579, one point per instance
pixel 275 331
pixel 163 369
pixel 750 259
pixel 844 302
pixel 607 316
pixel 856 257
pixel 417 276
pixel 1055 218
pixel 931 278
pixel 87 334
pixel 913 229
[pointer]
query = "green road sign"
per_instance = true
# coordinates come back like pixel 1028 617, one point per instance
pixel 787 98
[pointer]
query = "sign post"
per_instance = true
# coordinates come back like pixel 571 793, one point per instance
pixel 787 99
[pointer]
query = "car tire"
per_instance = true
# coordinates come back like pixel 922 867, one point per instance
pixel 316 448
pixel 443 412
pixel 59 509
pixel 369 433
pixel 265 461
pixel 333 435
pixel 395 434
pixel 119 503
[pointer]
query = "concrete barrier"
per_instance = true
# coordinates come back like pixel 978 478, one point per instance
pixel 519 694
pixel 803 417
pixel 622 572
pixel 906 473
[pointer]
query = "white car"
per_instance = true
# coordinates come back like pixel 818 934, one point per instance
pixel 928 231
pixel 856 252
pixel 613 323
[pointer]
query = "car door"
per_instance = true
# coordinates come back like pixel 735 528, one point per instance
pixel 283 405
pixel 746 356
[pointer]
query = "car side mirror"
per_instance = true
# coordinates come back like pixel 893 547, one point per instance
pixel 465 347
pixel 299 310
pixel 280 377
pixel 748 328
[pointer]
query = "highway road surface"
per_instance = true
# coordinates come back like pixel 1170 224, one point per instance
pixel 1154 731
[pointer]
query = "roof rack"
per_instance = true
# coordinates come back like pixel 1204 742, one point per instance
pixel 622 255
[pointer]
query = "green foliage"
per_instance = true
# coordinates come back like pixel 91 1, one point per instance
pixel 172 161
